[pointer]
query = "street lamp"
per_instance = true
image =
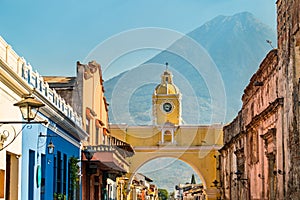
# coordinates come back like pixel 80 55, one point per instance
pixel 29 108
pixel 216 183
pixel 50 147
pixel 88 153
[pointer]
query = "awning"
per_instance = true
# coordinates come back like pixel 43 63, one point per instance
pixel 110 161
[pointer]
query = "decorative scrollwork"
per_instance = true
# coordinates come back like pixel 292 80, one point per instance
pixel 3 137
pixel 8 134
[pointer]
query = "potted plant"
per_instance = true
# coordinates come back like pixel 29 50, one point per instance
pixel 59 196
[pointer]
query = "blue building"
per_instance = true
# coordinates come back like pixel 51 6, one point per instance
pixel 45 175
pixel 28 170
pixel 48 174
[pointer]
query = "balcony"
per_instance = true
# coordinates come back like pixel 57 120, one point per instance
pixel 112 157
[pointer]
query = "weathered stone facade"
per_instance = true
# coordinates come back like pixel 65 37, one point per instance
pixel 260 158
pixel 288 21
pixel 251 138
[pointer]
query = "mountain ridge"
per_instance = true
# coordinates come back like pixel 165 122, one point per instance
pixel 236 44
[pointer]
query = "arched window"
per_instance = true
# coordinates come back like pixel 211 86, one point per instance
pixel 168 136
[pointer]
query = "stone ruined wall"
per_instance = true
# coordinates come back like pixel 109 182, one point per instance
pixel 288 20
pixel 261 114
pixel 262 89
pixel 233 129
pixel 270 110
pixel 250 138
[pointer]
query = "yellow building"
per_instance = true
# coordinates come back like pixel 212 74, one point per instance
pixel 103 158
pixel 166 101
pixel 196 145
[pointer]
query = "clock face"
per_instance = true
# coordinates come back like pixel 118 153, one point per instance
pixel 167 107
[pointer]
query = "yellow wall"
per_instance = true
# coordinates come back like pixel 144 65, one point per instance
pixel 185 135
pixel 93 98
pixel 195 145
pixel 162 117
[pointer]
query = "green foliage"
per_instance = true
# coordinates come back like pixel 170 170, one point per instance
pixel 74 169
pixel 163 194
pixel 59 196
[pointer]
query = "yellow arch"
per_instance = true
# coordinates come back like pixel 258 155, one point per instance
pixel 195 145
pixel 196 170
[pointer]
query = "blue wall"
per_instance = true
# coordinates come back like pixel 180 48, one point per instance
pixel 32 142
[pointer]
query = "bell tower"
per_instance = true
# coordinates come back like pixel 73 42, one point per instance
pixel 166 101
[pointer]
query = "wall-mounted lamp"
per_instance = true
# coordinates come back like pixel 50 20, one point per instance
pixel 88 153
pixel 29 108
pixel 239 178
pixel 215 183
pixel 50 146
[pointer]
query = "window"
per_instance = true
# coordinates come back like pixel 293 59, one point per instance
pixel 104 139
pixel 252 110
pixel 54 174
pixel 58 172
pixel 253 147
pixel 43 164
pixel 97 136
pixel 167 136
pixel 271 176
pixel 65 174
pixel 30 174
pixel 87 125
pixel 88 128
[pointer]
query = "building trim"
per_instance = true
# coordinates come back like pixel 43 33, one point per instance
pixel 174 147
pixel 64 135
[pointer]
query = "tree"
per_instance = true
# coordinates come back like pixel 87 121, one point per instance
pixel 163 194
pixel 193 180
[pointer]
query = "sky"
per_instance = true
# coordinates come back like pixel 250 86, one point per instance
pixel 53 35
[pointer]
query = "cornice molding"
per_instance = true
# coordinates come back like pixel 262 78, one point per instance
pixel 20 87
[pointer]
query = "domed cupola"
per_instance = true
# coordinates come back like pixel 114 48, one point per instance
pixel 166 86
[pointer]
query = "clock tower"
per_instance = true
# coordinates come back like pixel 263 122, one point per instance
pixel 166 101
